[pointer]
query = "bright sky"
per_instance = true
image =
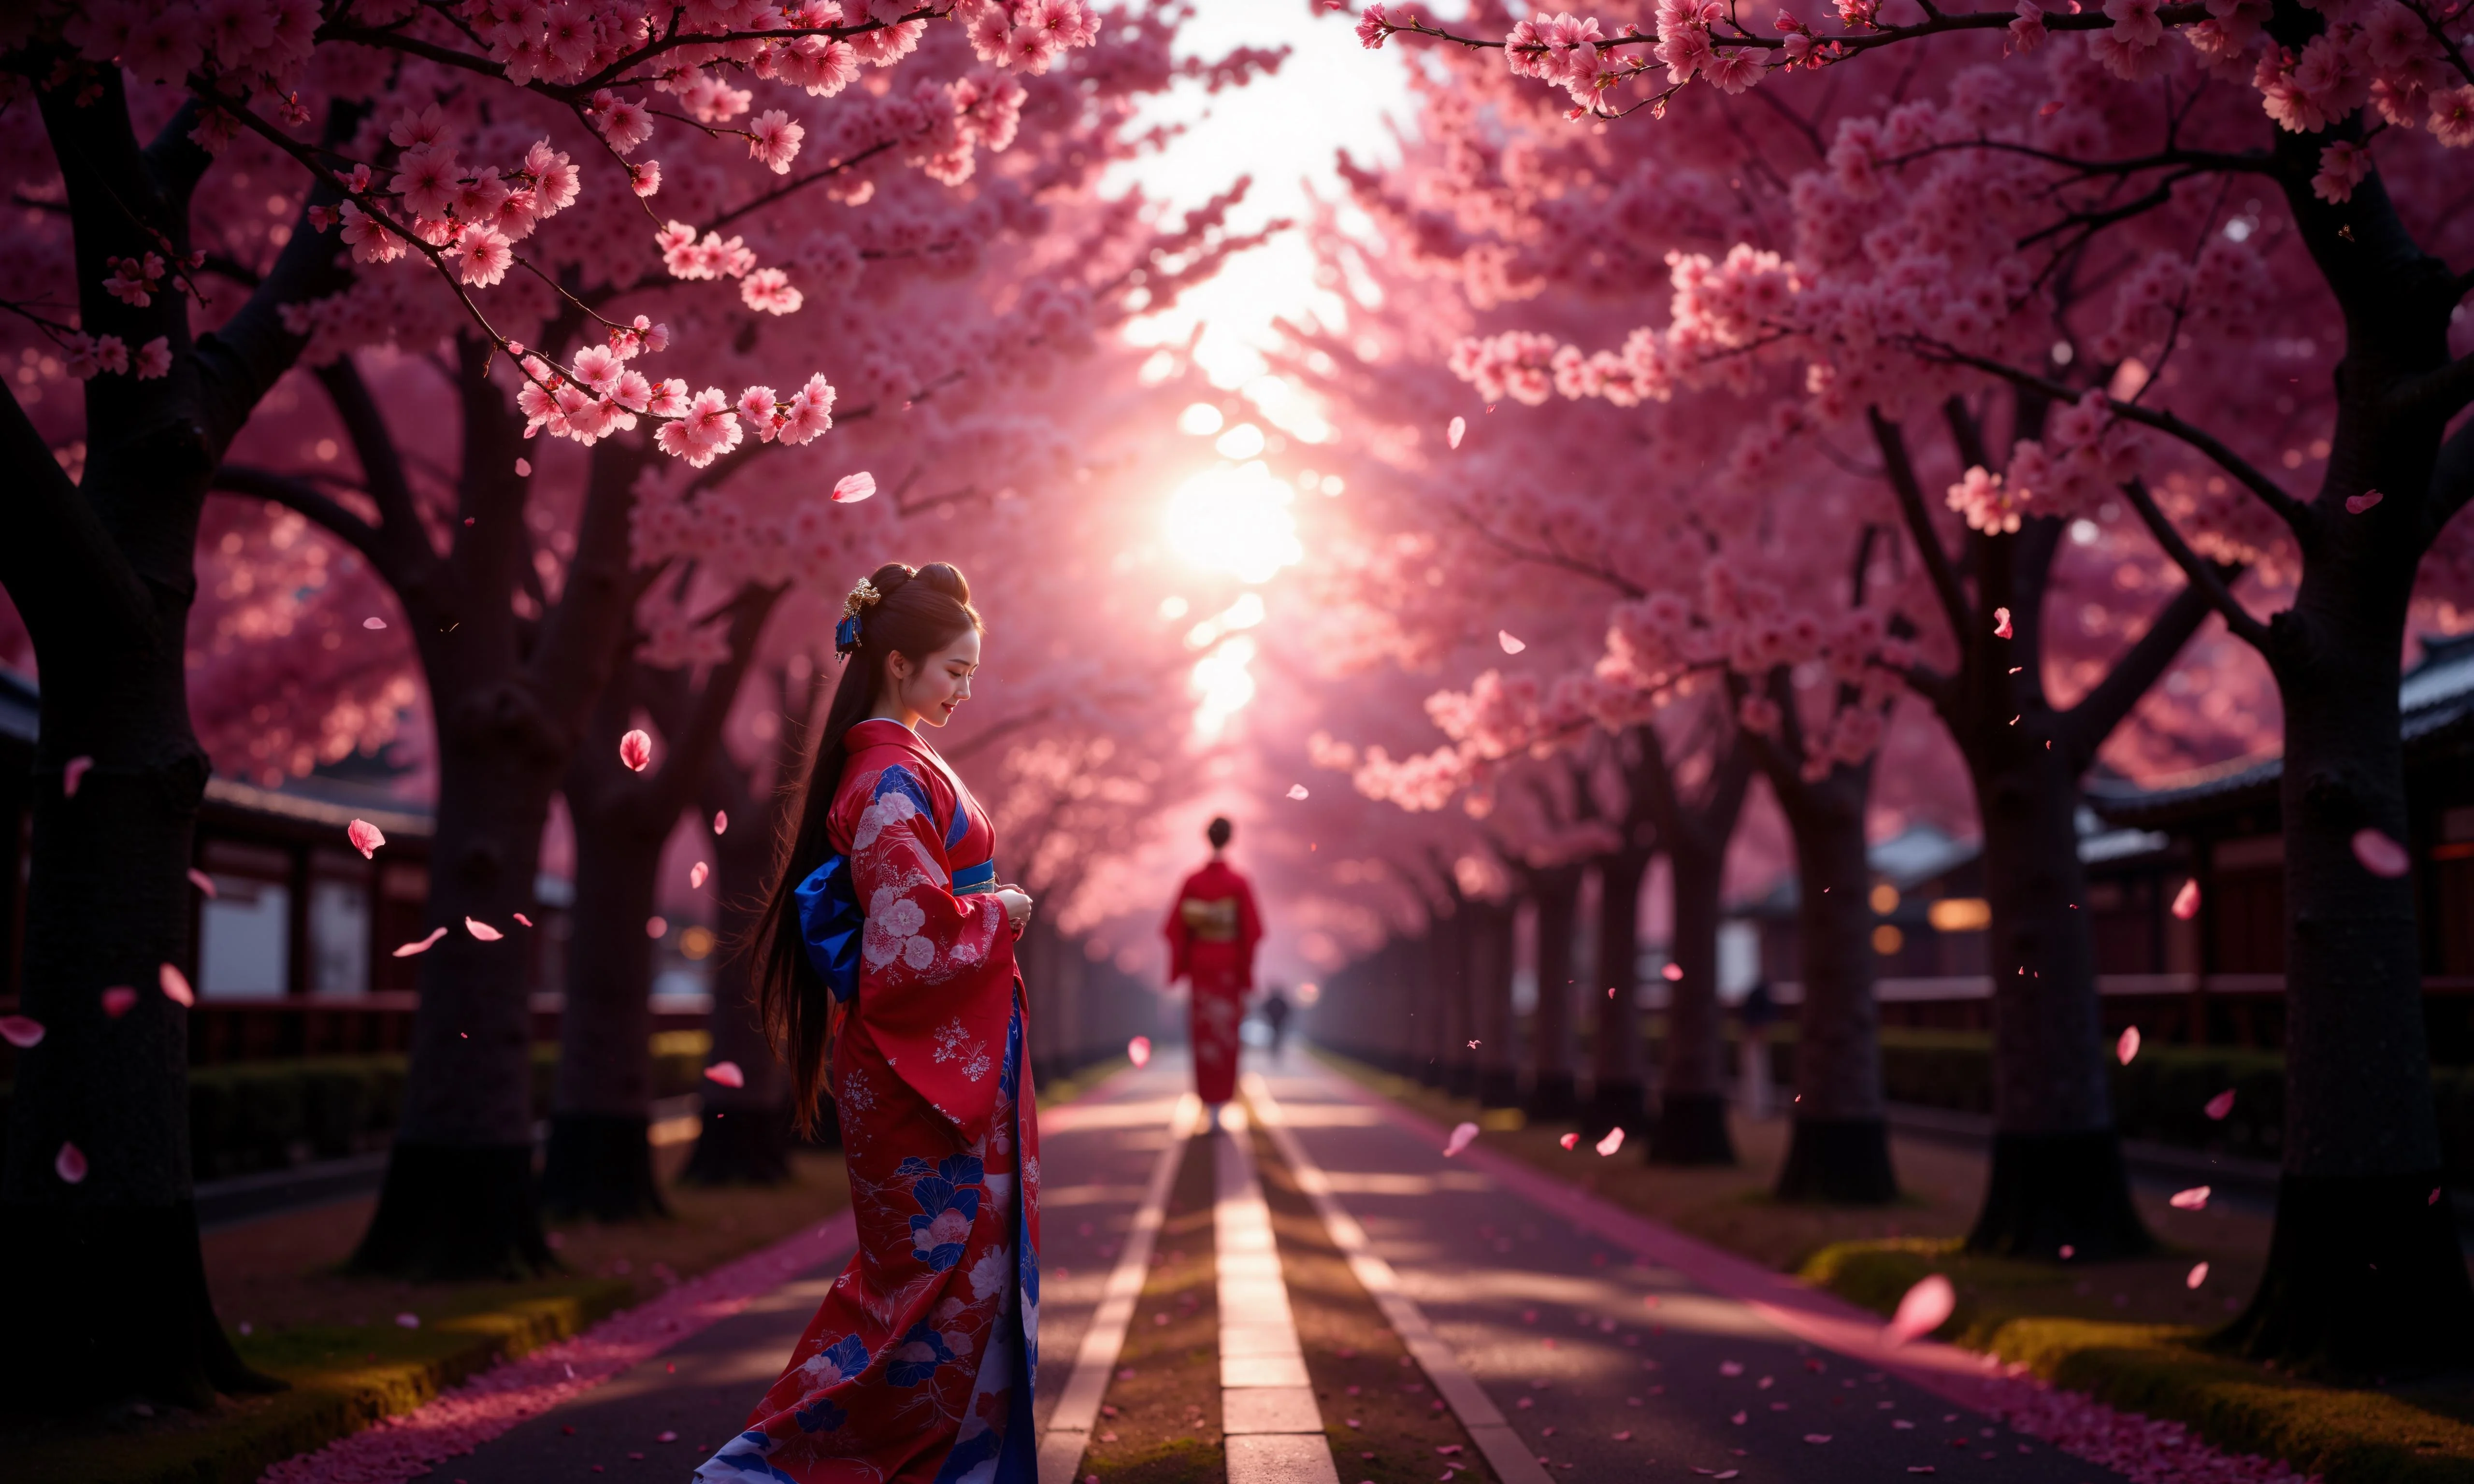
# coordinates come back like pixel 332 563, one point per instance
pixel 1284 129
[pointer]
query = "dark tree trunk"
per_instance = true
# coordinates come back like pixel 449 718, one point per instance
pixel 108 1289
pixel 2364 1276
pixel 1457 986
pixel 1692 1097
pixel 1617 1097
pixel 1839 1147
pixel 1557 891
pixel 1498 1066
pixel 1430 1002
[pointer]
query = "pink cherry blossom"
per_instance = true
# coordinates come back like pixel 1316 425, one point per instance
pixel 705 431
pixel 636 748
pixel 774 139
pixel 853 488
pixel 770 290
pixel 153 360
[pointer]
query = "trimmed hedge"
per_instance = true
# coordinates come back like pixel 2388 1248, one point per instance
pixel 270 1115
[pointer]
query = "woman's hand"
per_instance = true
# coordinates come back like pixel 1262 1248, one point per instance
pixel 1017 906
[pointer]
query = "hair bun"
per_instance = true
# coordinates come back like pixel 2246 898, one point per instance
pixel 946 578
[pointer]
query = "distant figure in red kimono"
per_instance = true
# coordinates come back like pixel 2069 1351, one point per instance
pixel 888 971
pixel 1211 935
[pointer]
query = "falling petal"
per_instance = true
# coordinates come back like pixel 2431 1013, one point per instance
pixel 1569 1140
pixel 1923 1310
pixel 726 1073
pixel 2356 504
pixel 2194 1199
pixel 1296 791
pixel 2186 901
pixel 851 488
pixel 520 918
pixel 202 882
pixel 667 1436
pixel 20 1032
pixel 1473 1046
pixel 1463 1136
pixel 696 875
pixel 72 774
pixel 636 748
pixel 175 986
pixel 2128 1047
pixel 118 1000
pixel 482 930
pixel 2001 623
pixel 2435 1197
pixel 420 945
pixel 2069 1252
pixel 409 1321
pixel 2220 1105
pixel 1511 645
pixel 1611 1143
pixel 1453 432
pixel 69 1164
pixel 1672 973
pixel 2379 854
pixel 1816 1437
pixel 721 821
pixel 372 623
pixel 1139 1051
pixel 2198 1276
pixel 657 927
pixel 366 838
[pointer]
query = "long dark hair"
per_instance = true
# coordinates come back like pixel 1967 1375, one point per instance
pixel 916 613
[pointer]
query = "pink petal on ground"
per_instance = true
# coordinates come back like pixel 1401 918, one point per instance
pixel 2380 855
pixel 1455 431
pixel 366 838
pixel 419 945
pixel 1297 791
pixel 72 774
pixel 721 821
pixel 2198 1276
pixel 520 918
pixel 636 748
pixel 2186 901
pixel 372 623
pixel 202 882
pixel 696 875
pixel 1924 1308
pixel 2001 623
pixel 2220 1105
pixel 1139 1051
pixel 666 1436
pixel 117 1000
pixel 851 488
pixel 407 1321
pixel 1569 1140
pixel 1511 645
pixel 1816 1437
pixel 482 930
pixel 2356 504
pixel 176 985
pixel 69 1164
pixel 2194 1199
pixel 1463 1136
pixel 2128 1047
pixel 1611 1143
pixel 726 1073
pixel 20 1032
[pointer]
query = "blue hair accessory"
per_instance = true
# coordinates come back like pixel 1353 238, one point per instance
pixel 861 598
pixel 846 635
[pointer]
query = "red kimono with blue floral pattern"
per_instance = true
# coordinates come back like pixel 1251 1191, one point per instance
pixel 918 1365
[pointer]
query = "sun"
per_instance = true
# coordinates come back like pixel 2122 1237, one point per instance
pixel 1235 518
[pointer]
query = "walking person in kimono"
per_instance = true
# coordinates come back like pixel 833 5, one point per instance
pixel 886 964
pixel 1211 935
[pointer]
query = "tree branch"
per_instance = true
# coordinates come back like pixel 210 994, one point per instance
pixel 381 462
pixel 2201 572
pixel 61 566
pixel 1901 469
pixel 2084 727
pixel 299 494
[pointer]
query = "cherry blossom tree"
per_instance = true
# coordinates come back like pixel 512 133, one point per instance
pixel 2254 218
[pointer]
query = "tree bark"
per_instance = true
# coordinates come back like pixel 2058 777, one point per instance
pixel 744 1134
pixel 1557 891
pixel 1616 1097
pixel 1692 1094
pixel 111 1298
pixel 1498 1066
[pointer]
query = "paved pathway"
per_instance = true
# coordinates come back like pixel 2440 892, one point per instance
pixel 1094 1155
pixel 1609 1363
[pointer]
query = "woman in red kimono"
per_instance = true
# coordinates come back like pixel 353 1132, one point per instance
pixel 1211 935
pixel 889 979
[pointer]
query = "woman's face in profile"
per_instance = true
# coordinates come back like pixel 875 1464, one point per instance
pixel 943 683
